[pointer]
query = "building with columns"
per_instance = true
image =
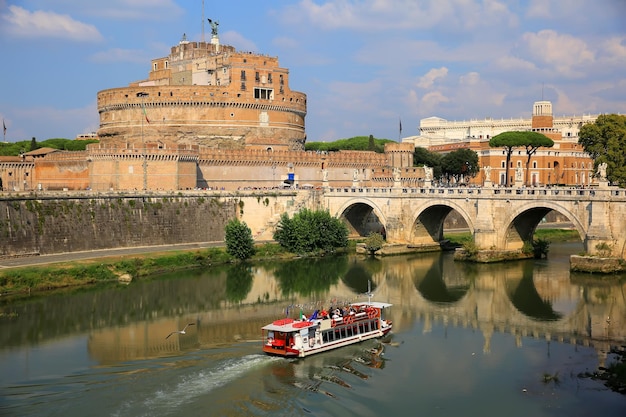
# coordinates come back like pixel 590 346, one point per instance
pixel 566 163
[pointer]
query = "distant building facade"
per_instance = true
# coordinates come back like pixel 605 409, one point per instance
pixel 566 163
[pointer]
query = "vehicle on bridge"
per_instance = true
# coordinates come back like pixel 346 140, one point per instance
pixel 324 331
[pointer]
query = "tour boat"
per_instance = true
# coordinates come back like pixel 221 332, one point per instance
pixel 324 331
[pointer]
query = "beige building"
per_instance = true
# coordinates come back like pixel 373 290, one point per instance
pixel 566 163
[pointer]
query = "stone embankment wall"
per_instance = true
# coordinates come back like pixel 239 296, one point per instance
pixel 68 224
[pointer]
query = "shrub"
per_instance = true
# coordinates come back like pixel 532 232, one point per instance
pixel 309 231
pixel 239 242
pixel 374 242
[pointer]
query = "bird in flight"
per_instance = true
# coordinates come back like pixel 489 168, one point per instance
pixel 181 331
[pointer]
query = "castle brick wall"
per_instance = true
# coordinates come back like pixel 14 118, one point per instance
pixel 207 116
pixel 61 170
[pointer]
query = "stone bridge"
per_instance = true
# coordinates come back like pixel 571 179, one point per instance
pixel 498 218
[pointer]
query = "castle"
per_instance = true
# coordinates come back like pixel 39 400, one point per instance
pixel 207 117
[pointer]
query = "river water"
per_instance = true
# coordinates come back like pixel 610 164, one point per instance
pixel 468 340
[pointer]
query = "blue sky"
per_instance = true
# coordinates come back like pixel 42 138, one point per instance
pixel 364 64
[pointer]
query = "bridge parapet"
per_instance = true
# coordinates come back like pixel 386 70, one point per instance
pixel 500 218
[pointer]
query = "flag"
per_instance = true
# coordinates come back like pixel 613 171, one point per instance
pixel 314 315
pixel 146 115
pixel 4 127
pixel 400 126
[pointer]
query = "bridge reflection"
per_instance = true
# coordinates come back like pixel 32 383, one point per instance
pixel 525 299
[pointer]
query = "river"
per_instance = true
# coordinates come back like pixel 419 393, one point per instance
pixel 469 340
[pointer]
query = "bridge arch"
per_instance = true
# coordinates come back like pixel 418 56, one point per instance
pixel 427 223
pixel 362 216
pixel 521 223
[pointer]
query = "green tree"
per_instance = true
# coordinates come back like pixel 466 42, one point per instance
pixel 423 156
pixel 33 144
pixel 374 242
pixel 239 242
pixel 310 231
pixel 460 163
pixel 357 143
pixel 531 141
pixel 534 141
pixel 371 145
pixel 605 141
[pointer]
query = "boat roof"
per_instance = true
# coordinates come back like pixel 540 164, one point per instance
pixel 288 325
pixel 375 304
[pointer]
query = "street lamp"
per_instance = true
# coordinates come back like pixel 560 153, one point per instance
pixel 143 145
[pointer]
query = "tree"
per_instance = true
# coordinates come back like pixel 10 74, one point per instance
pixel 33 144
pixel 529 140
pixel 605 141
pixel 534 141
pixel 371 144
pixel 374 242
pixel 423 156
pixel 460 163
pixel 309 231
pixel 239 242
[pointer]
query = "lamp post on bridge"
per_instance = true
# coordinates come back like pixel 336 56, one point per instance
pixel 143 145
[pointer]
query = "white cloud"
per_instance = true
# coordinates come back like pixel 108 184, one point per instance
pixel 564 53
pixel 382 15
pixel 427 80
pixel 43 24
pixel 433 99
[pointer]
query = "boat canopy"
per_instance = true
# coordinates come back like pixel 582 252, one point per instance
pixel 375 304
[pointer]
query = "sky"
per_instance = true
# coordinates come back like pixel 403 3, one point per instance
pixel 367 66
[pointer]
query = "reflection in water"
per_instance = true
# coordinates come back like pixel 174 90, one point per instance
pixel 526 299
pixel 442 309
pixel 238 282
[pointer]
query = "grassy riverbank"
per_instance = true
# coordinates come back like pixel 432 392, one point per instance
pixel 551 235
pixel 19 281
pixel 27 280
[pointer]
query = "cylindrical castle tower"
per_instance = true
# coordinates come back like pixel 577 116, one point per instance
pixel 210 95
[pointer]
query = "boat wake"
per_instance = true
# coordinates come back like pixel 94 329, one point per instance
pixel 168 399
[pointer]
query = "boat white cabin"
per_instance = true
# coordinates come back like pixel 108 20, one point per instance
pixel 325 331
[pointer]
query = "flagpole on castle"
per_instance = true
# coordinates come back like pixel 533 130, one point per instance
pixel 4 129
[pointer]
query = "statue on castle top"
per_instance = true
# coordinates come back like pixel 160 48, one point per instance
pixel 214 24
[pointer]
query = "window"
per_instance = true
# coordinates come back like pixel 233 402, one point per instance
pixel 535 164
pixel 243 75
pixel 502 164
pixel 264 93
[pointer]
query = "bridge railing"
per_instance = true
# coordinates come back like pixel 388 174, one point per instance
pixel 610 193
